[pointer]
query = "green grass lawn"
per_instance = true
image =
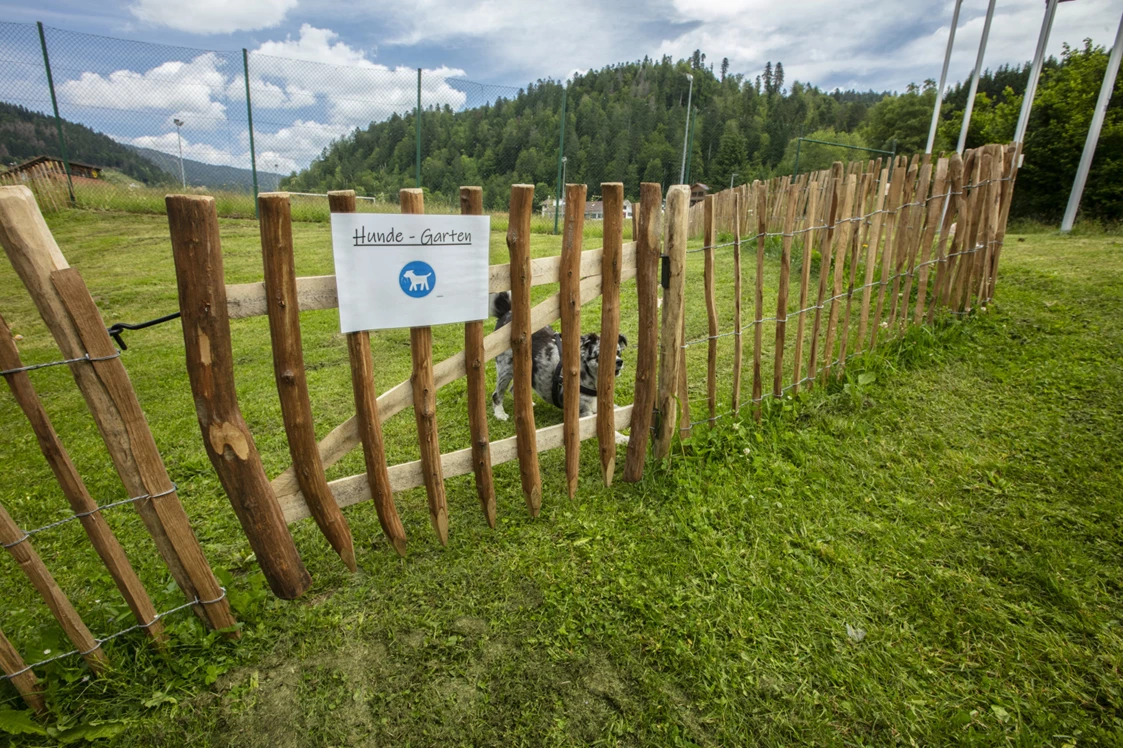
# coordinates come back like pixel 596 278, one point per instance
pixel 960 504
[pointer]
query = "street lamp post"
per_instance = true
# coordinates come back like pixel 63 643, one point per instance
pixel 182 176
pixel 686 129
pixel 731 180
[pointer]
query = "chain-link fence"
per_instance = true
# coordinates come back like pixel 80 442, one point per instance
pixel 113 124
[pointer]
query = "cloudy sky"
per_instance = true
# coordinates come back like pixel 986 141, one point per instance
pixel 347 63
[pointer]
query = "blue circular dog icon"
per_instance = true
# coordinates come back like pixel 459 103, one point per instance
pixel 417 279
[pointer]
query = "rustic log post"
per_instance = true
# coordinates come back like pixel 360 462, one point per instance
pixel 366 413
pixel 894 219
pixel 472 204
pixel 275 224
pixel 855 239
pixel 677 231
pixel 813 208
pixel 97 530
pixel 19 546
pixel 792 195
pixel 935 210
pixel 569 276
pixel 917 231
pixel 832 207
pixel 647 347
pixel 738 344
pixel 709 239
pixel 160 491
pixel 943 260
pixel 21 676
pixel 685 425
pixel 904 240
pixel 34 255
pixel 197 250
pixel 611 258
pixel 1009 176
pixel 761 189
pixel 872 245
pixel 841 243
pixel 518 245
pixel 425 400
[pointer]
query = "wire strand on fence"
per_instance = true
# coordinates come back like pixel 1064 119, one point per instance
pixel 78 515
pixel 114 635
pixel 33 367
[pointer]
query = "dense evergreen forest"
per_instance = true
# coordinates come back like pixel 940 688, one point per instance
pixel 626 123
pixel 25 134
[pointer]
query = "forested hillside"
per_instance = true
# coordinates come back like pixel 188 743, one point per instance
pixel 626 123
pixel 25 134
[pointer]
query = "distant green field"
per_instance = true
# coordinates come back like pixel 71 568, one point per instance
pixel 953 503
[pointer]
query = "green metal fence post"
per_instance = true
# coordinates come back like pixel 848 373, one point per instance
pixel 690 153
pixel 58 119
pixel 561 155
pixel 795 167
pixel 249 118
pixel 418 118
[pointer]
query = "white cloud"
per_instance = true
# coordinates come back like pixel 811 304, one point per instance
pixel 185 90
pixel 213 16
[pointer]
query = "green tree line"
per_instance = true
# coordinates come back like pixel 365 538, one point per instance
pixel 626 123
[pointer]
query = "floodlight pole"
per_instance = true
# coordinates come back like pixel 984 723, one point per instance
pixel 561 162
pixel 1035 71
pixel 179 138
pixel 1094 132
pixel 975 80
pixel 735 175
pixel 943 78
pixel 686 131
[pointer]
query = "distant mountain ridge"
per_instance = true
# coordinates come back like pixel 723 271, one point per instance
pixel 201 174
pixel 25 134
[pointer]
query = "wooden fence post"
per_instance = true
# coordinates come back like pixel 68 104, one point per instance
pixel 472 204
pixel 892 222
pixel 197 250
pixel 856 235
pixel 611 257
pixel 25 682
pixel 518 245
pixel 367 416
pixel 19 546
pixel 97 530
pixel 677 232
pixel 647 347
pixel 569 276
pixel 709 238
pixel 832 207
pixel 35 256
pixel 841 242
pixel 935 211
pixel 275 224
pixel 425 400
pixel 738 344
pixel 761 190
pixel 873 244
pixel 813 209
pixel 944 260
pixel 792 195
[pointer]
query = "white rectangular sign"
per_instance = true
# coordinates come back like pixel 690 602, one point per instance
pixel 396 270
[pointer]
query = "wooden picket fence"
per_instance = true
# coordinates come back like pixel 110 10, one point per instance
pixel 898 244
pixel 72 317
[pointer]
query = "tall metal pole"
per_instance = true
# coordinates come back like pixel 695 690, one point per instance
pixel 418 118
pixel 249 122
pixel 943 78
pixel 1035 71
pixel 693 120
pixel 975 80
pixel 58 119
pixel 561 163
pixel 1094 131
pixel 686 132
pixel 179 139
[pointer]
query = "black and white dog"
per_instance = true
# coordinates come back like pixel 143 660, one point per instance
pixel 546 376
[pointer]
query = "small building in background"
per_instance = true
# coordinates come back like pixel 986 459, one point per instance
pixel 594 210
pixel 698 192
pixel 54 165
pixel 550 204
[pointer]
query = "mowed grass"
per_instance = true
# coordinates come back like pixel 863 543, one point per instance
pixel 956 497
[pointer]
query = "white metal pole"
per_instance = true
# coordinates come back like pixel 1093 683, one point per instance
pixel 1094 131
pixel 975 80
pixel 1035 71
pixel 943 78
pixel 686 130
